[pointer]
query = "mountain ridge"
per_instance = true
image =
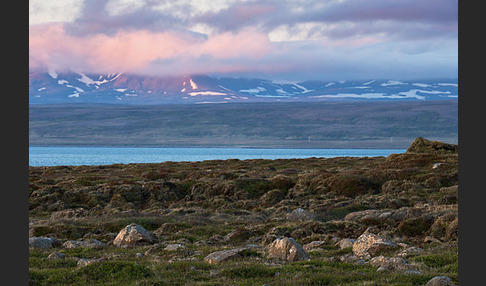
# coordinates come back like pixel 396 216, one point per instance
pixel 52 87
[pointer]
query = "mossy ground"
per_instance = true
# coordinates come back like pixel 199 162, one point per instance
pixel 198 204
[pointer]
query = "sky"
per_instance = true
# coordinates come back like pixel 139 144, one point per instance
pixel 287 40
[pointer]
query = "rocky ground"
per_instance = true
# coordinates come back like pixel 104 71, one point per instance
pixel 316 221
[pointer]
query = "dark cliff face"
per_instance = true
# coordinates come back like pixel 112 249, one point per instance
pixel 422 145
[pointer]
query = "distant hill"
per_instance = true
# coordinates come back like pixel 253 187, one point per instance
pixel 375 124
pixel 119 88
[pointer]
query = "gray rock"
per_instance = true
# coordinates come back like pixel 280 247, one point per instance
pixel 440 281
pixel 225 255
pixel 133 235
pixel 175 247
pixel 369 245
pixel 40 242
pixel 288 249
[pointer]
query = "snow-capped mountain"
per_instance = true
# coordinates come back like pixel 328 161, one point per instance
pixel 53 87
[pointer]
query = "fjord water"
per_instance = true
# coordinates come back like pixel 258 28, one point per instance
pixel 75 156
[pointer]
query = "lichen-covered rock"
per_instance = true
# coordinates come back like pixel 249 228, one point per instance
pixel 390 263
pixel 440 281
pixel 132 235
pixel 91 243
pixel 369 245
pixel 229 254
pixel 40 242
pixel 288 249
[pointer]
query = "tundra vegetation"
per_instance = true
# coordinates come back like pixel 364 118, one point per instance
pixel 316 221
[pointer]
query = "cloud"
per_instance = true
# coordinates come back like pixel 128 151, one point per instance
pixel 138 49
pixel 272 38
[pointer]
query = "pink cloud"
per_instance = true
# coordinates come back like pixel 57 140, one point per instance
pixel 138 51
pixel 247 43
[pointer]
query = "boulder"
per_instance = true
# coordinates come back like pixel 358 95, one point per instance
pixel 91 243
pixel 390 263
pixel 133 235
pixel 288 249
pixel 229 254
pixel 440 281
pixel 40 242
pixel 369 245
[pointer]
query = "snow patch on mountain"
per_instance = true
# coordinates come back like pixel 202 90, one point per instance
pixel 353 95
pixel 75 87
pixel 422 85
pixel 52 73
pixel 206 93
pixel 89 81
pixel 193 84
pixel 258 89
pixel 392 82
pixel 86 80
pixel 210 102
pixel 448 84
pixel 304 90
pixel 413 93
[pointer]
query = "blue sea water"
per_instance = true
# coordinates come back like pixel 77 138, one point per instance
pixel 75 156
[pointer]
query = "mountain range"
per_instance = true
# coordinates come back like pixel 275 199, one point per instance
pixel 53 87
